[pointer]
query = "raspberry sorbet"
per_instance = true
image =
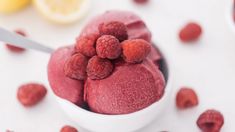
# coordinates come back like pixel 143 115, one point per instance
pixel 126 86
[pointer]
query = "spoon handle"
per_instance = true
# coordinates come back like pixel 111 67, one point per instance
pixel 23 42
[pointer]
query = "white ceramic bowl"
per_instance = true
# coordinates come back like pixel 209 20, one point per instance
pixel 120 123
pixel 229 15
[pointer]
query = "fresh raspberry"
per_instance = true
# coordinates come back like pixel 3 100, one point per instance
pixel 210 121
pixel 190 32
pixel 86 44
pixel 99 68
pixel 108 46
pixel 30 94
pixel 13 48
pixel 186 98
pixel 115 28
pixel 68 128
pixel 20 32
pixel 141 1
pixel 75 67
pixel 136 50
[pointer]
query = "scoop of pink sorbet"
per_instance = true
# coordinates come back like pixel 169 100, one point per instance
pixel 61 85
pixel 130 88
pixel 136 27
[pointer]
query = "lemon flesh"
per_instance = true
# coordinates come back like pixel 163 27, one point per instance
pixel 62 11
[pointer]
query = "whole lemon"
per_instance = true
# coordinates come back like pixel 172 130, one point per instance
pixel 10 6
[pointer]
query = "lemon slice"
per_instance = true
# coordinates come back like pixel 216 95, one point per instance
pixel 63 11
pixel 10 6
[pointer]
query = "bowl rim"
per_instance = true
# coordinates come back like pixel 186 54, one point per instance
pixel 167 92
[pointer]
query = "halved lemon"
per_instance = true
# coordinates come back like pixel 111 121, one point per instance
pixel 10 6
pixel 63 11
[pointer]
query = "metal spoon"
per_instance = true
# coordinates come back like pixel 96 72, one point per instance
pixel 23 42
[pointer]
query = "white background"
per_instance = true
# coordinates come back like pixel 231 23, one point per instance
pixel 208 66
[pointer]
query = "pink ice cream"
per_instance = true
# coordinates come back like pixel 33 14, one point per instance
pixel 131 87
pixel 63 86
pixel 135 25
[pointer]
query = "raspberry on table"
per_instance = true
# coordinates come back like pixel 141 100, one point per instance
pixel 186 98
pixel 107 46
pixel 30 94
pixel 99 68
pixel 114 28
pixel 68 128
pixel 13 48
pixel 135 50
pixel 75 67
pixel 86 44
pixel 190 32
pixel 210 121
pixel 141 1
pixel 20 32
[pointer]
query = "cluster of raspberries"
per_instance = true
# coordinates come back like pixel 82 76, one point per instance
pixel 95 53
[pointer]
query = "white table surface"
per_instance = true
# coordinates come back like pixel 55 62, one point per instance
pixel 208 66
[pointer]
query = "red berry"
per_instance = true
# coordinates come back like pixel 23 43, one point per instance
pixel 13 48
pixel 75 67
pixel 186 98
pixel 190 32
pixel 108 46
pixel 114 28
pixel 68 129
pixel 99 68
pixel 141 1
pixel 86 45
pixel 30 94
pixel 20 32
pixel 210 121
pixel 136 50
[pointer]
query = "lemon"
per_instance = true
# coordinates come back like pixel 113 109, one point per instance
pixel 63 11
pixel 10 6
